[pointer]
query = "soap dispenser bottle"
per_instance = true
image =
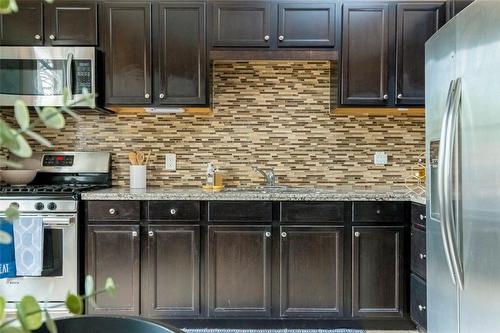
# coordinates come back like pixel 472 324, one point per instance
pixel 210 175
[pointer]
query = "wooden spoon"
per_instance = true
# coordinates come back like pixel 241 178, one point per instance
pixel 140 157
pixel 147 158
pixel 132 157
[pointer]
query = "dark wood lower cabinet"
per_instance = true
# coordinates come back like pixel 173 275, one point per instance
pixel 377 271
pixel 239 271
pixel 114 251
pixel 311 271
pixel 173 272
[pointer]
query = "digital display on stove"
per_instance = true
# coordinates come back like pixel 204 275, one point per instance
pixel 58 160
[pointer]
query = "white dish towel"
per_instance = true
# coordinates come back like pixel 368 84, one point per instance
pixel 28 242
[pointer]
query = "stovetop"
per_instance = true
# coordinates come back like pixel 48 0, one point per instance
pixel 27 190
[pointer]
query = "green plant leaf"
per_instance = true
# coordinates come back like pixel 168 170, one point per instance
pixel 38 138
pixel 72 113
pixel 11 213
pixel 74 304
pixel 49 323
pixel 52 117
pixel 29 313
pixel 11 329
pixel 2 306
pixel 10 164
pixel 110 287
pixel 22 114
pixel 7 135
pixel 5 238
pixel 22 147
pixel 8 6
pixel 89 285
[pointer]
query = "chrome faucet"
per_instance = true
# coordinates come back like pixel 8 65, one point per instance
pixel 268 174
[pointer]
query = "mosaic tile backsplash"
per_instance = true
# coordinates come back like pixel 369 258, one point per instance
pixel 269 114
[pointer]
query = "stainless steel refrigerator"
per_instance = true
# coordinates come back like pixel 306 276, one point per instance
pixel 463 168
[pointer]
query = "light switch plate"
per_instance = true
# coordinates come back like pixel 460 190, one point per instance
pixel 380 158
pixel 170 162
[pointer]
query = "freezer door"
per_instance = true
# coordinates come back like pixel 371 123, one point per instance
pixel 478 64
pixel 442 293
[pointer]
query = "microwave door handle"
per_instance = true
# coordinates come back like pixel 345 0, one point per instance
pixel 452 226
pixel 442 179
pixel 69 76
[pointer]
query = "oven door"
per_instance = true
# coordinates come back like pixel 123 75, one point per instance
pixel 39 75
pixel 60 263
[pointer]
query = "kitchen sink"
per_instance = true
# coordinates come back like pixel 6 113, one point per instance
pixel 273 189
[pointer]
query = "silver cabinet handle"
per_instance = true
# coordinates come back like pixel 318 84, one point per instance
pixel 357 234
pixel 134 233
pixel 422 256
pixel 283 234
pixel 268 234
pixel 162 96
pixel 266 37
pixel 422 217
pixel 112 211
pixel 38 37
pixel 281 38
pixel 146 95
pixel 422 307
pixel 378 211
pixel 173 211
pixel 52 37
pixel 151 233
pixel 400 96
pixel 385 97
pixel 69 75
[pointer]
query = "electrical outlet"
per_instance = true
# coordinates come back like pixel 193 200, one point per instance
pixel 380 158
pixel 170 162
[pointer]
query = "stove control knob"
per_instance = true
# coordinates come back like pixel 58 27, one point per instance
pixel 52 206
pixel 39 206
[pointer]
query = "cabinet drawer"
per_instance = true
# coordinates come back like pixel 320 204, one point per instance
pixel 377 211
pixel 312 212
pixel 418 252
pixel 418 214
pixel 418 301
pixel 173 210
pixel 255 211
pixel 113 211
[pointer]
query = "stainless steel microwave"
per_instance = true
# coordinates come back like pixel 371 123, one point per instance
pixel 38 75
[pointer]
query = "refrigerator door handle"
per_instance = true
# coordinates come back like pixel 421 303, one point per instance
pixel 448 182
pixel 442 177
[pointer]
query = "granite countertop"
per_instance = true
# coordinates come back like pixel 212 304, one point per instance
pixel 293 194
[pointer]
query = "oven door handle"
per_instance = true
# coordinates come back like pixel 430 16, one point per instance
pixel 69 76
pixel 53 221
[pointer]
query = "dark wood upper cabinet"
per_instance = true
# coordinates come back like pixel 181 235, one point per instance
pixel 239 271
pixel 377 272
pixel 241 24
pixel 114 251
pixel 365 53
pixel 182 53
pixel 127 46
pixel 24 28
pixel 416 23
pixel 311 256
pixel 306 24
pixel 173 272
pixel 456 6
pixel 72 23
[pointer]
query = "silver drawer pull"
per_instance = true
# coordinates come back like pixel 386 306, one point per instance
pixel 357 234
pixel 268 234
pixel 112 211
pixel 151 233
pixel 173 211
pixel 422 217
pixel 38 37
pixel 422 256
pixel 283 234
pixel 266 37
pixel 422 307
pixel 134 233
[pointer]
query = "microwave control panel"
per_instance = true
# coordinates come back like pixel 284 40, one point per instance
pixel 83 77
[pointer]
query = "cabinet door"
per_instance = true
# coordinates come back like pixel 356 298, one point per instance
pixel 173 270
pixel 306 24
pixel 182 49
pixel 377 268
pixel 72 23
pixel 456 6
pixel 239 271
pixel 416 22
pixel 241 24
pixel 24 27
pixel 127 44
pixel 365 47
pixel 311 256
pixel 113 251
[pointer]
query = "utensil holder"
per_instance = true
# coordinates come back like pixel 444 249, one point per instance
pixel 138 176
